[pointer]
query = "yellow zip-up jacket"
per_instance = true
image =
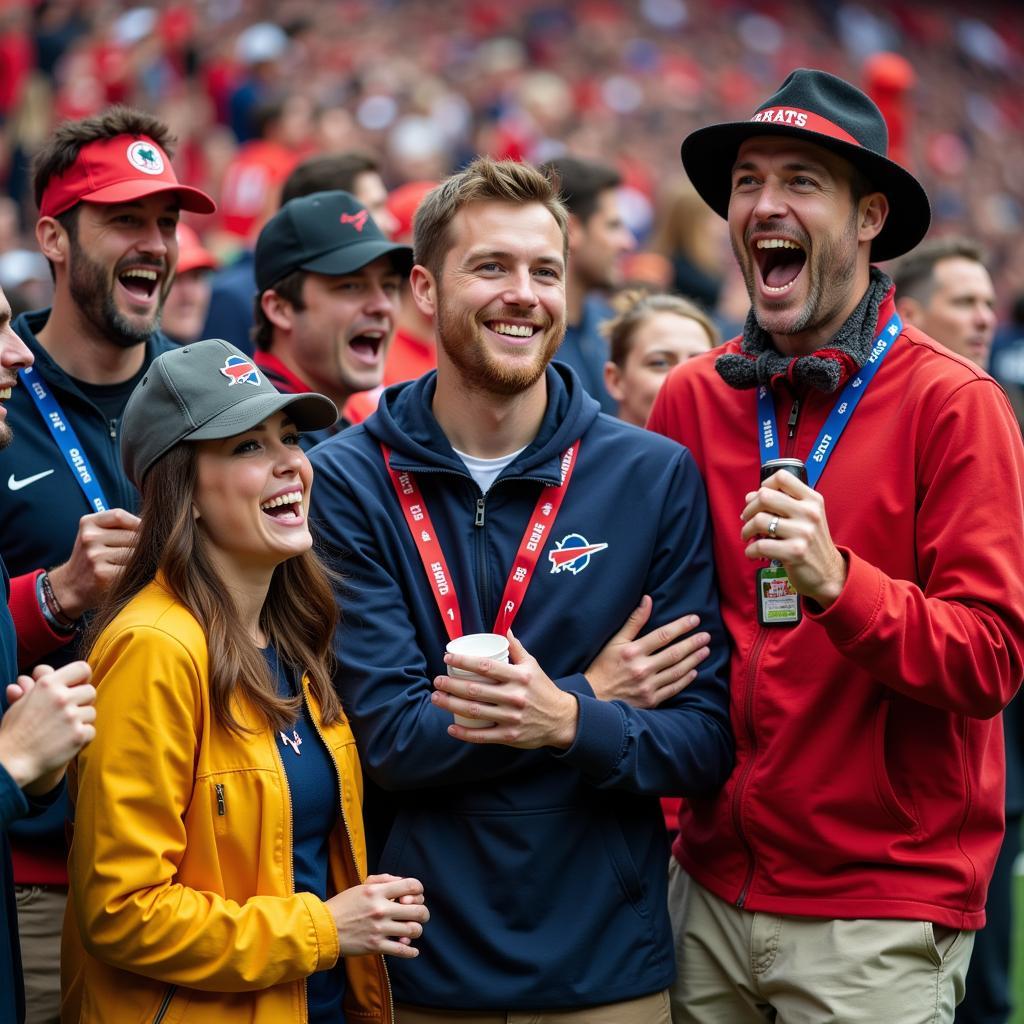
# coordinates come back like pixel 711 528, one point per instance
pixel 181 896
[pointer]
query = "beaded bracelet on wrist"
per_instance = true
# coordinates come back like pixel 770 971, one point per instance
pixel 50 606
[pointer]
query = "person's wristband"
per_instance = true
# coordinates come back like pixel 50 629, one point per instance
pixel 56 619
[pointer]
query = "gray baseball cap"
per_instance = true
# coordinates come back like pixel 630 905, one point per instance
pixel 202 392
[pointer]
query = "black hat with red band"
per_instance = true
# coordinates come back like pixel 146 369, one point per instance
pixel 830 112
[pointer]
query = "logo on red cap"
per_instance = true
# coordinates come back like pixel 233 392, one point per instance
pixel 145 157
pixel 357 220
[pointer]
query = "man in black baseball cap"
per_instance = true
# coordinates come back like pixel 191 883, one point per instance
pixel 329 283
pixel 872 590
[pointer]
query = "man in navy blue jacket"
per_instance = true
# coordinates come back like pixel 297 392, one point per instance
pixel 47 726
pixel 109 203
pixel 490 492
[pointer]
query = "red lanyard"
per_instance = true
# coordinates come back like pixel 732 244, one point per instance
pixel 423 533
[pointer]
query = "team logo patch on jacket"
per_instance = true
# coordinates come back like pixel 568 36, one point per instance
pixel 572 553
pixel 240 371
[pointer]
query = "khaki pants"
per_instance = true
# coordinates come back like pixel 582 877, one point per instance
pixel 647 1010
pixel 40 920
pixel 747 968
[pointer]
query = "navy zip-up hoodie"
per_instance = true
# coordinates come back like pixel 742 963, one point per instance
pixel 544 870
pixel 43 502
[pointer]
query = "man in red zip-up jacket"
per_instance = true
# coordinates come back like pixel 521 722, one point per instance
pixel 841 872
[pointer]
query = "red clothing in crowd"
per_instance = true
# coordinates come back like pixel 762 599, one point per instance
pixel 410 357
pixel 869 746
pixel 281 376
pixel 252 184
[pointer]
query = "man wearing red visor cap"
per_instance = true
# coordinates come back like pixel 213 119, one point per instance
pixel 109 203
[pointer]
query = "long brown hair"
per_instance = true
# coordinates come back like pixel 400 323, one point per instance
pixel 298 616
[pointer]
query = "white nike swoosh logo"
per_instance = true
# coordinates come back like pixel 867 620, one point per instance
pixel 16 485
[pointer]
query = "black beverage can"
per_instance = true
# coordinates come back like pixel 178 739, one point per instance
pixel 794 466
pixel 778 603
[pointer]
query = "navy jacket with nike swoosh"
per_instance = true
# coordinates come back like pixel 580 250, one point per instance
pixel 544 871
pixel 38 491
pixel 41 503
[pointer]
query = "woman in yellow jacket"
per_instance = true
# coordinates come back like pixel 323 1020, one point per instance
pixel 217 865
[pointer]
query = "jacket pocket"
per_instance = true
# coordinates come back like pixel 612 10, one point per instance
pixel 940 942
pixel 883 783
pixel 390 861
pixel 553 891
pixel 624 866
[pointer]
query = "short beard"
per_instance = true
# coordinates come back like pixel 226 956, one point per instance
pixel 6 435
pixel 458 334
pixel 834 266
pixel 93 295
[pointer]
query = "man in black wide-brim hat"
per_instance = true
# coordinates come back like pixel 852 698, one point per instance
pixel 872 592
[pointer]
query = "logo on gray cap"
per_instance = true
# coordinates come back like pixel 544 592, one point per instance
pixel 240 370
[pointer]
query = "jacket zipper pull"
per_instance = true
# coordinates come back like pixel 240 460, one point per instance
pixel 479 512
pixel 113 430
pixel 793 413
pixel 221 806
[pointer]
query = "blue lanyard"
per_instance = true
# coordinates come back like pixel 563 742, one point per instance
pixel 65 438
pixel 838 418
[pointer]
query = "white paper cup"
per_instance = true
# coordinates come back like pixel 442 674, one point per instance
pixel 477 645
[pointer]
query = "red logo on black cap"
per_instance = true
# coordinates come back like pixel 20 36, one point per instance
pixel 357 220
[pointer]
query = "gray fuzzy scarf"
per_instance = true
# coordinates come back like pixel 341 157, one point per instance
pixel 758 362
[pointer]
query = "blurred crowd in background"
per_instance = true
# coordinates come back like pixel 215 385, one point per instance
pixel 250 88
pixel 409 91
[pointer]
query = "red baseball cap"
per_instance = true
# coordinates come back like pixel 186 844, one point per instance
pixel 192 255
pixel 118 170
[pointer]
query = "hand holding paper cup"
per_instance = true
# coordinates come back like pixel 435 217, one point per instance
pixel 492 646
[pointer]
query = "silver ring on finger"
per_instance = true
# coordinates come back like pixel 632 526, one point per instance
pixel 772 526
